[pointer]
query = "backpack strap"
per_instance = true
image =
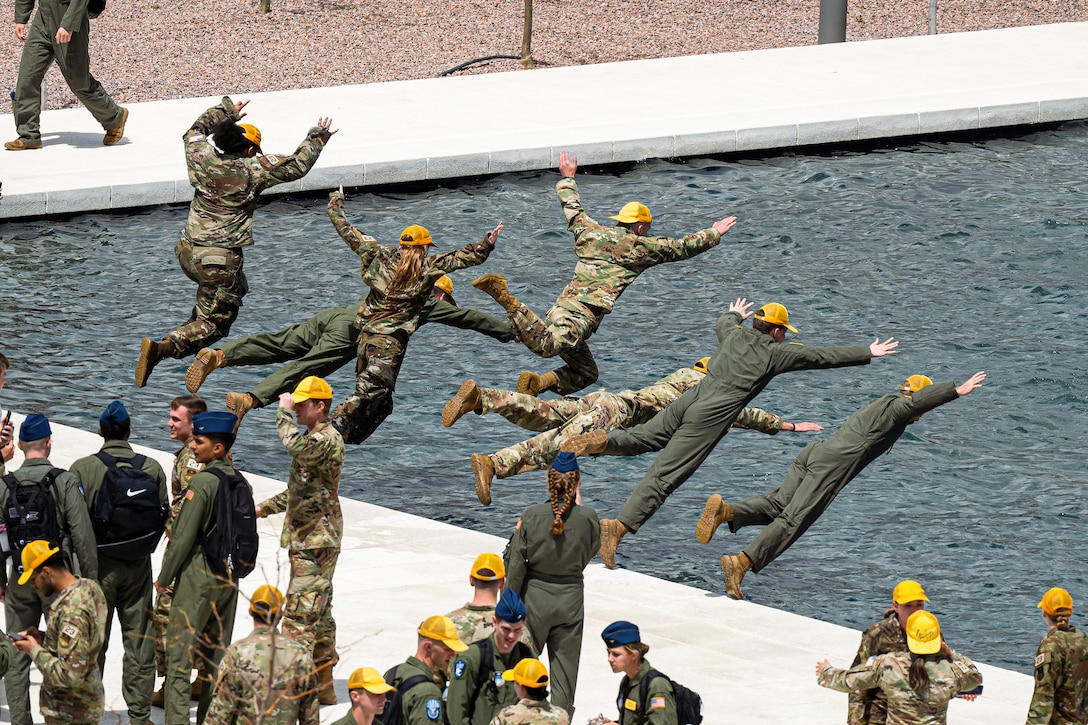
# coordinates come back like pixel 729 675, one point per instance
pixel 644 687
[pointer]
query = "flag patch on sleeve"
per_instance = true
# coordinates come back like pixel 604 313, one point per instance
pixel 657 703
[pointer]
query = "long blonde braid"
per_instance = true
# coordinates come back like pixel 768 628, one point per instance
pixel 562 489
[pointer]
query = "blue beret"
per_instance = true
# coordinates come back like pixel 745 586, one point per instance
pixel 510 607
pixel 565 461
pixel 214 421
pixel 114 414
pixel 620 633
pixel 35 427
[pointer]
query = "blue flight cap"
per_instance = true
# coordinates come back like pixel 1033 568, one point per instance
pixel 510 607
pixel 115 414
pixel 215 422
pixel 35 427
pixel 620 633
pixel 565 461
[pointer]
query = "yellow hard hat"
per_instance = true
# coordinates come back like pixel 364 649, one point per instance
pixel 252 133
pixel 445 284
pixel 632 212
pixel 913 384
pixel 923 633
pixel 700 365
pixel 1055 602
pixel 415 236
pixel 775 314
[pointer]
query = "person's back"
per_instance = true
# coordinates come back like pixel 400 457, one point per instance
pixel 1061 666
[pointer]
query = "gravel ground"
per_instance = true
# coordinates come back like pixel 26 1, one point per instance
pixel 147 50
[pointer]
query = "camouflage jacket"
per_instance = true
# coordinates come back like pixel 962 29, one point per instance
pixel 266 674
pixel 312 498
pixel 890 672
pixel 1061 679
pixel 476 622
pixel 610 258
pixel 870 707
pixel 532 712
pixel 384 313
pixel 185 467
pixel 226 186
pixel 68 657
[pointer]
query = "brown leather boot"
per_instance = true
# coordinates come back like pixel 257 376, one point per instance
pixel 151 354
pixel 611 533
pixel 714 515
pixel 240 404
pixel 198 686
pixel 466 400
pixel 734 567
pixel 114 134
pixel 206 361
pixel 588 444
pixel 326 691
pixel 495 286
pixel 530 383
pixel 158 699
pixel 483 469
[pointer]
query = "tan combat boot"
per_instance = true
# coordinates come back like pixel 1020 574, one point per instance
pixel 532 384
pixel 206 361
pixel 734 567
pixel 326 692
pixel 716 513
pixel 588 444
pixel 495 286
pixel 240 404
pixel 611 533
pixel 22 144
pixel 114 134
pixel 483 470
pixel 158 699
pixel 466 400
pixel 151 354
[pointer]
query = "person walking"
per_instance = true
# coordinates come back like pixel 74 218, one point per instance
pixel 1061 666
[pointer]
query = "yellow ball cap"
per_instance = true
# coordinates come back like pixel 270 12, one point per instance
pixel 923 633
pixel 444 630
pixel 35 554
pixel 700 365
pixel 529 673
pixel 415 236
pixel 445 284
pixel 369 679
pixel 913 384
pixel 1055 602
pixel 908 591
pixel 266 600
pixel 488 567
pixel 252 133
pixel 775 314
pixel 312 388
pixel 632 212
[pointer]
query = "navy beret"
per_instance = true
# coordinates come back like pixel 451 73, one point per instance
pixel 214 421
pixel 35 427
pixel 114 414
pixel 620 633
pixel 565 461
pixel 510 607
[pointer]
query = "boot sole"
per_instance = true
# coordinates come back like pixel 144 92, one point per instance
pixel 728 571
pixel 483 484
pixel 143 365
pixel 114 136
pixel 486 280
pixel 528 383
pixel 588 444
pixel 709 521
pixel 455 408
pixel 609 543
pixel 199 371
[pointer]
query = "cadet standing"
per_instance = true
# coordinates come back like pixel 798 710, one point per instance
pixel 368 693
pixel 23 604
pixel 125 583
pixel 314 525
pixel 61 32
pixel 819 473
pixel 227 182
pixel 690 428
pixel 627 654
pixel 1061 666
pixel 550 548
pixel 476 620
pixel 609 259
pixel 436 644
pixel 530 680
pixel 67 654
pixel 265 677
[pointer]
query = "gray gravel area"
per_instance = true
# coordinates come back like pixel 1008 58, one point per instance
pixel 147 50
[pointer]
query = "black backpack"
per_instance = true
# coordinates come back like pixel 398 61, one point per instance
pixel 128 517
pixel 231 546
pixel 689 705
pixel 486 676
pixel 30 513
pixel 393 714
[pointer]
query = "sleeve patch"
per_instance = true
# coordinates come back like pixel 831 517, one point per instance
pixel 459 669
pixel 518 527
pixel 189 495
pixel 196 138
pixel 318 436
pixel 657 703
pixel 70 630
pixel 1040 660
pixel 434 709
pixel 964 667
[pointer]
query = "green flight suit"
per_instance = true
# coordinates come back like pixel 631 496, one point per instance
pixel 127 588
pixel 348 719
pixel 660 705
pixel 824 468
pixel 422 704
pixel 690 428
pixel 546 571
pixel 202 611
pixel 23 604
pixel 73 59
pixel 471 702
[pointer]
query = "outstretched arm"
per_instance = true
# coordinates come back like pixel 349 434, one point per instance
pixel 742 307
pixel 568 165
pixel 880 349
pixel 973 383
pixel 724 225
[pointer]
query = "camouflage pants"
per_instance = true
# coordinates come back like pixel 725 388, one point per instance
pixel 221 284
pixel 307 617
pixel 376 369
pixel 74 706
pixel 563 332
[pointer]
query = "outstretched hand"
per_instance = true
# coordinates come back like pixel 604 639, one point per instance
pixel 724 225
pixel 973 383
pixel 880 349
pixel 568 165
pixel 238 106
pixel 324 123
pixel 742 307
pixel 821 666
pixel 807 427
pixel 493 235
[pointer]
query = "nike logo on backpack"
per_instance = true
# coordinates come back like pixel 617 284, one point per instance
pixel 132 493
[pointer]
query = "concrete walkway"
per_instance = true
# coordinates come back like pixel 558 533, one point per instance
pixel 494 123
pixel 750 663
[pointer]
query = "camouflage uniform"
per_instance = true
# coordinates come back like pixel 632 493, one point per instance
pixel 660 705
pixel 311 532
pixel 386 321
pixel 1061 679
pixel 422 704
pixel 609 259
pixel 890 673
pixel 265 678
pixel 220 222
pixel 475 622
pixel 870 707
pixel 532 712
pixel 71 692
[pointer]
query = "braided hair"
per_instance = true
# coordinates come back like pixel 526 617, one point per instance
pixel 562 490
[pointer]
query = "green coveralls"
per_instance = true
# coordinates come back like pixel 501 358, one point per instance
pixel 73 59
pixel 546 571
pixel 127 587
pixel 422 704
pixel 203 602
pixel 470 702
pixel 23 604
pixel 690 428
pixel 660 705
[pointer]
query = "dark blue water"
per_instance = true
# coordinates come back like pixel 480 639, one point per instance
pixel 973 254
